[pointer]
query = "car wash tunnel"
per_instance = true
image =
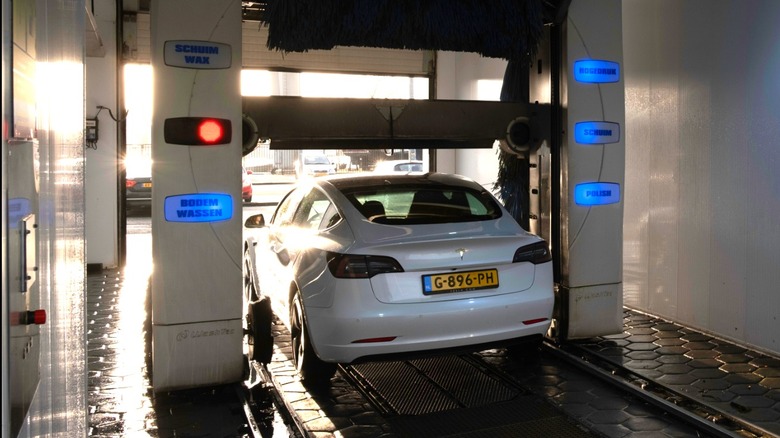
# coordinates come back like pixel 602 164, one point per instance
pixel 390 219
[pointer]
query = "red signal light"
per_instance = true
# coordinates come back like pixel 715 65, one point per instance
pixel 197 131
pixel 38 316
pixel 30 317
pixel 210 131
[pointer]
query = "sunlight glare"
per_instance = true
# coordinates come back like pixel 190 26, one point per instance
pixel 57 90
pixel 138 102
pixel 489 89
pixel 131 347
pixel 256 83
pixel 337 85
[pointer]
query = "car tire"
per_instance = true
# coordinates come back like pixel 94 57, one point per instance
pixel 250 286
pixel 314 373
pixel 259 321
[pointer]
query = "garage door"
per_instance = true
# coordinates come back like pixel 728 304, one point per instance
pixel 255 54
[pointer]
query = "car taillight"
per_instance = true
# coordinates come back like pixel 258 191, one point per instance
pixel 130 183
pixel 535 253
pixel 360 266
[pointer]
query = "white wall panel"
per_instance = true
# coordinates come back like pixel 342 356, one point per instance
pixel 59 405
pixel 460 76
pixel 702 98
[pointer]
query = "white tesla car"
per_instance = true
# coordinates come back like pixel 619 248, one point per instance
pixel 377 267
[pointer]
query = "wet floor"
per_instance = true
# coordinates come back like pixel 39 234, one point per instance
pixel 120 396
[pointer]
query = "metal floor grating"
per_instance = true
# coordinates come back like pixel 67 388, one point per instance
pixel 455 396
pixel 525 416
pixel 424 386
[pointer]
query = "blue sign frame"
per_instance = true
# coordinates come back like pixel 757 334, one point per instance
pixel 596 71
pixel 198 207
pixel 596 193
pixel 596 132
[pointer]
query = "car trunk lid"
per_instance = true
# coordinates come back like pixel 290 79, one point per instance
pixel 450 265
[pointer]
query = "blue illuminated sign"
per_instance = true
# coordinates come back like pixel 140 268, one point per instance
pixel 596 193
pixel 199 207
pixel 594 71
pixel 596 132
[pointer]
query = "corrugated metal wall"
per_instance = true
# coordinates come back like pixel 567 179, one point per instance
pixel 55 33
pixel 702 196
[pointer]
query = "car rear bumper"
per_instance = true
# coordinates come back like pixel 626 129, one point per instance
pixel 357 326
pixel 138 201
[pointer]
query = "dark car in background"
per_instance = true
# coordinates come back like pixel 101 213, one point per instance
pixel 138 192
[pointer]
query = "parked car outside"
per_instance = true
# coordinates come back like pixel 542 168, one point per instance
pixel 369 267
pixel 403 166
pixel 138 192
pixel 312 165
pixel 246 185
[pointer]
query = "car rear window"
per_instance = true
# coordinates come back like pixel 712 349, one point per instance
pixel 409 205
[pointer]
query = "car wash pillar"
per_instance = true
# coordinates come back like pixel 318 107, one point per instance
pixel 196 200
pixel 592 166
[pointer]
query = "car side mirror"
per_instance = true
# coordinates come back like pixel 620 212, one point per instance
pixel 255 221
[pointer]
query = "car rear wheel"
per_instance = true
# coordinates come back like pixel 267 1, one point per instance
pixel 259 317
pixel 250 288
pixel 314 372
pixel 261 340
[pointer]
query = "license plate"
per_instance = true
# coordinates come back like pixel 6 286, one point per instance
pixel 146 185
pixel 460 281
